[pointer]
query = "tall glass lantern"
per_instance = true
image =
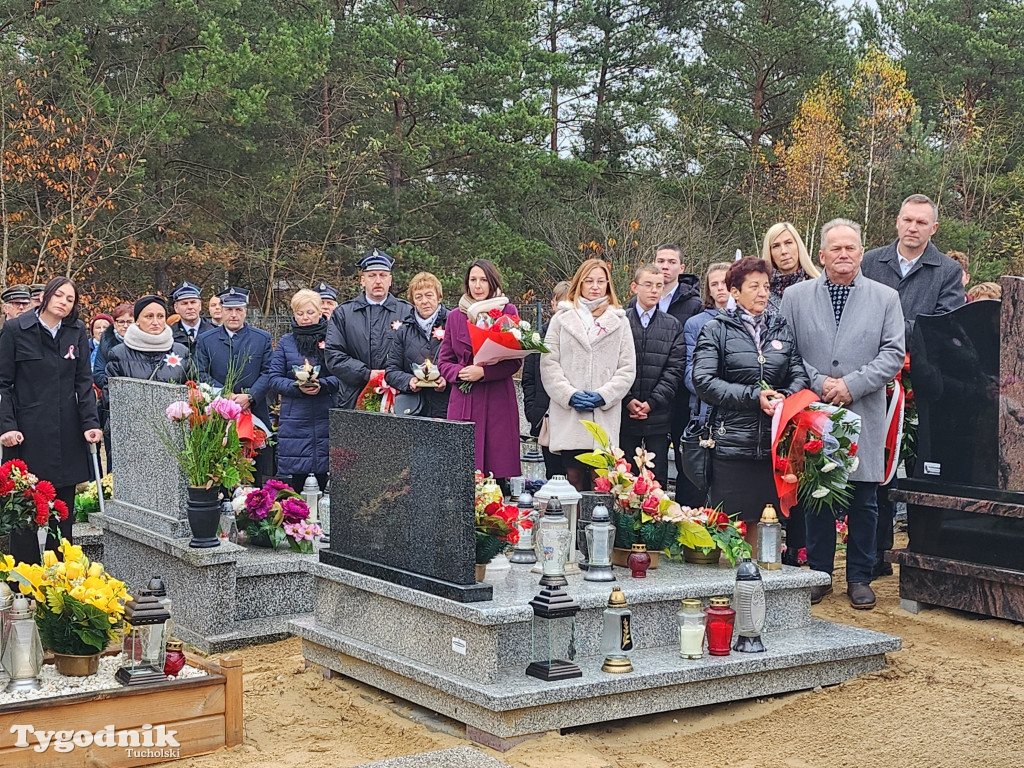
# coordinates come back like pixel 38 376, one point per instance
pixel 769 540
pixel 617 634
pixel 6 601
pixel 23 651
pixel 311 495
pixel 600 542
pixel 570 499
pixel 554 636
pixel 532 462
pixel 145 644
pixel 552 537
pixel 523 552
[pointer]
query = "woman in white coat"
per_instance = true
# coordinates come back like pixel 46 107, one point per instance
pixel 589 369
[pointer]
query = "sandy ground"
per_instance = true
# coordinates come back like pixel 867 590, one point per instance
pixel 953 696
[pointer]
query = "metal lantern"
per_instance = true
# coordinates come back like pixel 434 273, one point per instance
pixel 324 507
pixel 159 590
pixel 617 634
pixel 570 499
pixel 748 598
pixel 523 552
pixel 6 601
pixel 554 636
pixel 600 542
pixel 769 540
pixel 23 652
pixel 532 462
pixel 311 495
pixel 552 545
pixel 145 644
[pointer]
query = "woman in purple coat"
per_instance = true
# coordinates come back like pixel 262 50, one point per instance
pixel 491 401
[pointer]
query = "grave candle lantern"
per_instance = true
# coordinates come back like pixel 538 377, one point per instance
pixel 553 544
pixel 145 645
pixel 692 629
pixel 720 620
pixel 617 634
pixel 600 541
pixel 554 636
pixel 23 652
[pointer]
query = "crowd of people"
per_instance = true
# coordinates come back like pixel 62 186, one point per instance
pixel 720 350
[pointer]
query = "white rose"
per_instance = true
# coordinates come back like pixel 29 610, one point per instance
pixel 830 466
pixel 524 325
pixel 821 493
pixel 855 464
pixel 535 338
pixel 516 334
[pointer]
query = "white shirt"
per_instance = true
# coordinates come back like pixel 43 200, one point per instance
pixel 375 303
pixel 191 330
pixel 52 331
pixel 667 298
pixel 905 264
pixel 645 315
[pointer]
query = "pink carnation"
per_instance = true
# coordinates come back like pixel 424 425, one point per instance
pixel 178 411
pixel 226 409
pixel 294 510
pixel 274 486
pixel 258 504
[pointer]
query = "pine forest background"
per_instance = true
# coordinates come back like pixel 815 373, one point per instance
pixel 268 143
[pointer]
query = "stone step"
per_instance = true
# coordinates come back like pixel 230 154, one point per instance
pixel 456 757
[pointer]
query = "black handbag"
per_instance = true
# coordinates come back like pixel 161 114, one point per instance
pixel 408 404
pixel 697 443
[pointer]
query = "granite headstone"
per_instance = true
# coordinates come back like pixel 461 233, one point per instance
pixel 1011 386
pixel 402 502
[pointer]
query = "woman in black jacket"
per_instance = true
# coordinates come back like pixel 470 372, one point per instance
pixel 746 360
pixel 47 405
pixel 417 340
pixel 149 350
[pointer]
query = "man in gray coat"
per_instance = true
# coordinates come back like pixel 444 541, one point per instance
pixel 849 330
pixel 928 282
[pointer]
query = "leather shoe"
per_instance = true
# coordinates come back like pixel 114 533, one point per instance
pixel 861 596
pixel 818 593
pixel 881 569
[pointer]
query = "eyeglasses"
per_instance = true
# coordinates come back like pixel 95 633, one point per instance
pixel 123 321
pixel 650 286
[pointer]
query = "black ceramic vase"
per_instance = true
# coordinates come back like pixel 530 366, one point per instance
pixel 204 516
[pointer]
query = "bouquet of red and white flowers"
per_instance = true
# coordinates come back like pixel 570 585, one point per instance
pixel 26 501
pixel 497 524
pixel 275 513
pixel 496 336
pixel 377 395
pixel 814 451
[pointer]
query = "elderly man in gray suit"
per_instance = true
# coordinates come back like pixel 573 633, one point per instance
pixel 849 330
pixel 928 282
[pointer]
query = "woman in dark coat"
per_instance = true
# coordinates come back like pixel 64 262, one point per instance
pixel 149 350
pixel 303 431
pixel 47 405
pixel 418 340
pixel 738 351
pixel 491 402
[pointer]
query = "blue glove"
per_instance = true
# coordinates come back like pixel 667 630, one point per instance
pixel 595 399
pixel 580 402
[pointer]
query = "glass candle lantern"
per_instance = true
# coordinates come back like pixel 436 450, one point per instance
pixel 23 652
pixel 554 636
pixel 639 561
pixel 560 488
pixel 6 601
pixel 553 540
pixel 523 551
pixel 692 628
pixel 532 462
pixel 174 658
pixel 720 621
pixel 749 598
pixel 145 644
pixel 159 590
pixel 600 541
pixel 617 634
pixel 324 513
pixel 769 540
pixel 311 495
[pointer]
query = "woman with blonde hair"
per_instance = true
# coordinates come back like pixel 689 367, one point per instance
pixel 303 431
pixel 590 367
pixel 418 341
pixel 785 252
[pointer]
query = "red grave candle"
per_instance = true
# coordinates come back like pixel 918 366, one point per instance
pixel 720 620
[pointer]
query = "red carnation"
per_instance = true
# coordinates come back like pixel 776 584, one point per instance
pixel 813 446
pixel 741 527
pixel 45 487
pixel 513 537
pixel 493 508
pixel 19 464
pixel 781 464
pixel 61 509
pixel 495 313
pixel 853 450
pixel 6 486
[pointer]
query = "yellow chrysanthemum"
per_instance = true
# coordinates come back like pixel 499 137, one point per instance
pixel 74 570
pixel 49 558
pixel 96 570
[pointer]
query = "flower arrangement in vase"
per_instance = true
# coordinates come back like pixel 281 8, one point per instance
pixel 79 606
pixel 26 501
pixel 726 534
pixel 273 514
pixel 496 521
pixel 643 514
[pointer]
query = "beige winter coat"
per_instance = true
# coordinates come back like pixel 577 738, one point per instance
pixel 580 362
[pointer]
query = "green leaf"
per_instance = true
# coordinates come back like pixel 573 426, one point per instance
pixel 598 433
pixel 593 459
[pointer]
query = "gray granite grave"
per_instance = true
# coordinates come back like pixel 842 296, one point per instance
pixel 402 502
pixel 222 598
pixel 456 757
pixel 467 661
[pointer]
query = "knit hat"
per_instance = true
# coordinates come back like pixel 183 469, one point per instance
pixel 145 301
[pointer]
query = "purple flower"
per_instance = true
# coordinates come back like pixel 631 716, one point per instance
pixel 294 510
pixel 276 485
pixel 258 503
pixel 226 409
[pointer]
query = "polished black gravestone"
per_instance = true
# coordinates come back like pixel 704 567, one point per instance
pixel 965 514
pixel 402 494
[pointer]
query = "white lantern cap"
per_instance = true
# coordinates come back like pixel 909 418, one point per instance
pixel 560 487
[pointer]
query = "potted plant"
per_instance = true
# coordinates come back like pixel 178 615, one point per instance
pixel 87 502
pixel 206 443
pixel 726 535
pixel 496 522
pixel 79 606
pixel 26 502
pixel 273 514
pixel 643 514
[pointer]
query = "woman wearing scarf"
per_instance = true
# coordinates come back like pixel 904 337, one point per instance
pixel 420 340
pixel 490 402
pixel 303 432
pixel 791 264
pixel 590 368
pixel 148 351
pixel 745 359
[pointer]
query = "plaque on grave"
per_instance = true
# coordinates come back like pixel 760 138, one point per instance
pixel 954 367
pixel 402 502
